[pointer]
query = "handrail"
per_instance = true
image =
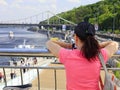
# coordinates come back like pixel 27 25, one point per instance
pixel 29 52
pixel 33 67
pixel 24 52
pixel 45 67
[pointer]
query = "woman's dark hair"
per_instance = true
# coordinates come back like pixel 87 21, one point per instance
pixel 86 32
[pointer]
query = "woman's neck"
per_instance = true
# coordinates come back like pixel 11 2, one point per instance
pixel 79 45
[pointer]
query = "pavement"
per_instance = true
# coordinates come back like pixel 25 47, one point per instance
pixel 47 79
pixel 28 76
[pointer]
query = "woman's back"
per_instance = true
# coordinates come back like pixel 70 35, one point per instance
pixel 81 74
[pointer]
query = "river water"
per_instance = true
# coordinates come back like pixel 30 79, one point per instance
pixel 20 35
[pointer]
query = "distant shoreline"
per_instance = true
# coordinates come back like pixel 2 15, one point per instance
pixel 60 35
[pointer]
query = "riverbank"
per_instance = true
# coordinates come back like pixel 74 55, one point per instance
pixel 52 33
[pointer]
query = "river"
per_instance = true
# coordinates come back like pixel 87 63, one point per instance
pixel 20 35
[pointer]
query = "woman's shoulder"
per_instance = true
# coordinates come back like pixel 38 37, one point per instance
pixel 65 50
pixel 70 52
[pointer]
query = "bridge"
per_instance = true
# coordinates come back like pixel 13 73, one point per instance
pixel 41 19
pixel 25 24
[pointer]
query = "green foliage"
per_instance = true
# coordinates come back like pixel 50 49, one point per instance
pixel 117 73
pixel 106 13
pixel 117 31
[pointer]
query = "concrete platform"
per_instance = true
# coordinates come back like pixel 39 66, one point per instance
pixel 47 80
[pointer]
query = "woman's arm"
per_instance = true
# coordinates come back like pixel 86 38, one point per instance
pixel 110 46
pixel 55 46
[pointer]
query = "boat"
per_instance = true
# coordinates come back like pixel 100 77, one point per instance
pixel 11 34
pixel 16 61
pixel 24 45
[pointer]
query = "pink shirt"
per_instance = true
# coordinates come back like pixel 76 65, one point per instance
pixel 81 74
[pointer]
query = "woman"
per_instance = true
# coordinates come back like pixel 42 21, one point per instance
pixel 82 64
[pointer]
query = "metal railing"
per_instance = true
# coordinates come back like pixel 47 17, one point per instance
pixel 25 53
pixel 38 73
pixel 32 53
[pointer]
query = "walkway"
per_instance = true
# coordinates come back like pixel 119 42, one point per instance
pixel 47 79
pixel 28 76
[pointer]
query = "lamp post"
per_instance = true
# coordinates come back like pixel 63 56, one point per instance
pixel 116 4
pixel 113 20
pixel 96 19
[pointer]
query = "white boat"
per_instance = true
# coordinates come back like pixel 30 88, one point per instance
pixel 24 45
pixel 11 34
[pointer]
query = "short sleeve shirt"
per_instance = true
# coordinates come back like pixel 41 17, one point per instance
pixel 81 74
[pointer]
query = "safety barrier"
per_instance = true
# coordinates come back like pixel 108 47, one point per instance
pixel 38 73
pixel 32 53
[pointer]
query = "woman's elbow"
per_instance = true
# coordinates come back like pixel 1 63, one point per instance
pixel 116 46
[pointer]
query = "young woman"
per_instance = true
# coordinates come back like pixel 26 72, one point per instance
pixel 82 64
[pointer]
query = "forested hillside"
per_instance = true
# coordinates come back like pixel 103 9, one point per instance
pixel 105 13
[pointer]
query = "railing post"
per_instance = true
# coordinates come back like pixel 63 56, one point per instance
pixel 21 76
pixel 4 76
pixel 55 79
pixel 38 79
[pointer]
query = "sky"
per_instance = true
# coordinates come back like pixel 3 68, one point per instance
pixel 19 9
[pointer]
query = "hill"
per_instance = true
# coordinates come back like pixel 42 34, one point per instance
pixel 105 13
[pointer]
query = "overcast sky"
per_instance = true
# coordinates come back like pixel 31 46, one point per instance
pixel 17 9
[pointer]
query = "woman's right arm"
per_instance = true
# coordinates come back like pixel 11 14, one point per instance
pixel 110 46
pixel 55 46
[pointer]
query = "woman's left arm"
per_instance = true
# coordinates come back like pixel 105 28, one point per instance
pixel 55 46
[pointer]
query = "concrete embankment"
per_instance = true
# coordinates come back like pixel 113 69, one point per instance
pixel 58 34
pixel 109 37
